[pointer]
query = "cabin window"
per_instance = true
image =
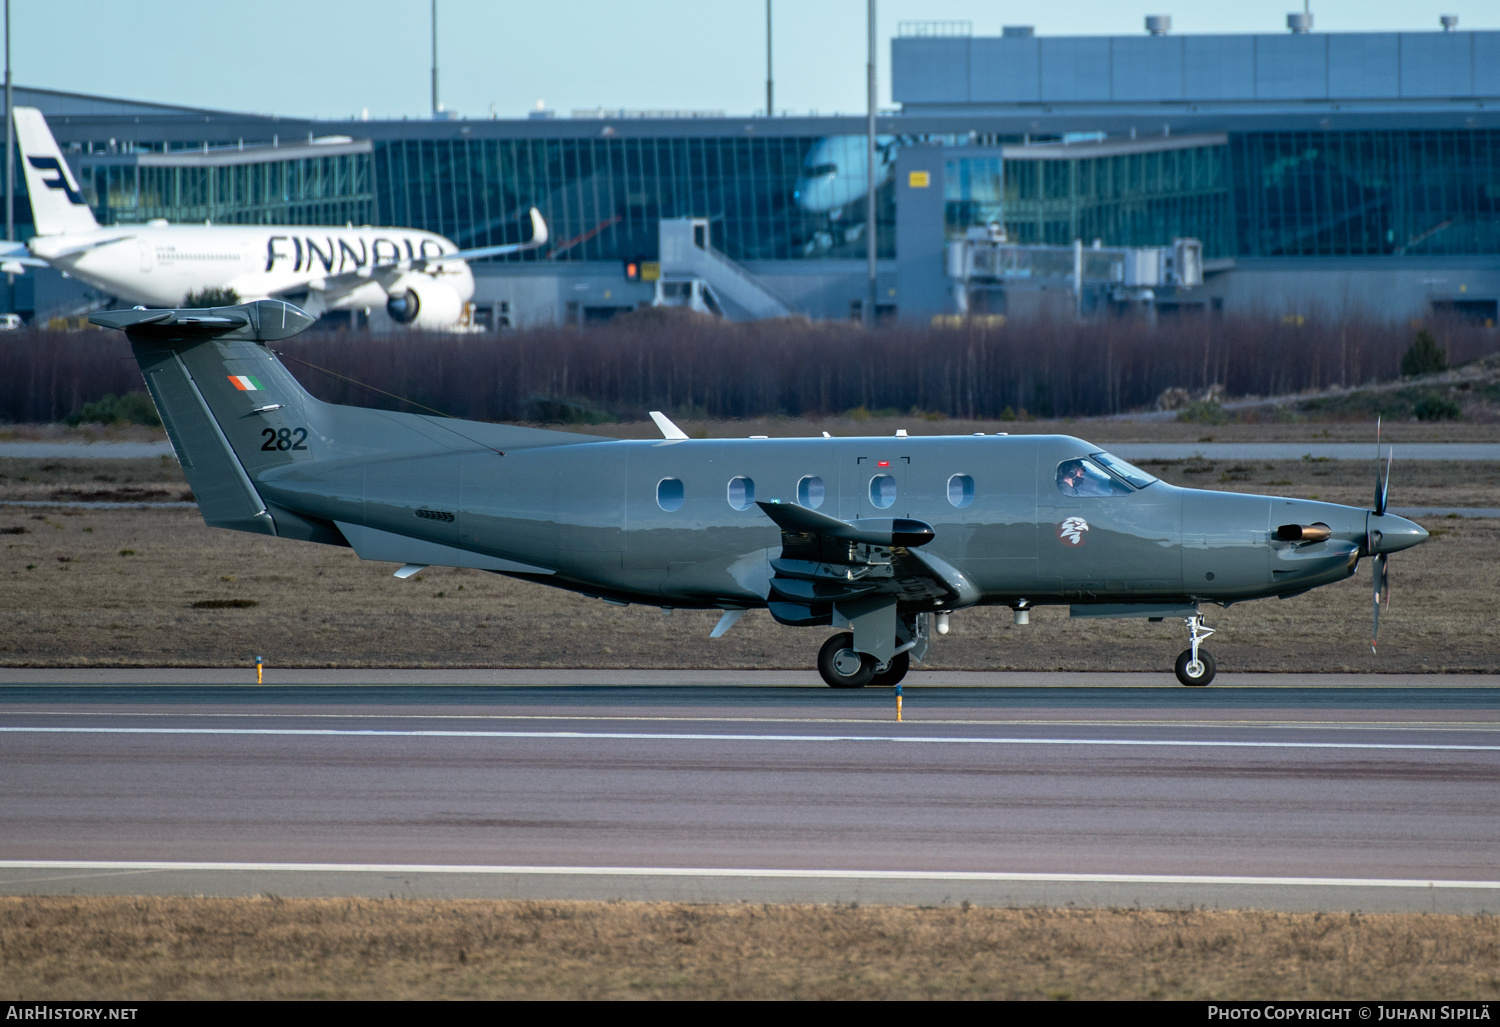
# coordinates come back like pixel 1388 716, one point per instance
pixel 810 492
pixel 1086 479
pixel 882 491
pixel 741 493
pixel 960 490
pixel 669 494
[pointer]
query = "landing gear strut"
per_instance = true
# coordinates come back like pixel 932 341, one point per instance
pixel 1195 665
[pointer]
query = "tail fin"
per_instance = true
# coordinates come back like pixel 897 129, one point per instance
pixel 57 206
pixel 229 406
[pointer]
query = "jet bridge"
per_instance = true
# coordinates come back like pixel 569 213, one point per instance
pixel 984 261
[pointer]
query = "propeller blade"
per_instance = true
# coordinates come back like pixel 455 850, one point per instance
pixel 1380 571
pixel 1385 488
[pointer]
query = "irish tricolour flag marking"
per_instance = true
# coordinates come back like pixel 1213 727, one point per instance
pixel 245 383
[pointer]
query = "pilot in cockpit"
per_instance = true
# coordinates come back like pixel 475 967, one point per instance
pixel 1081 478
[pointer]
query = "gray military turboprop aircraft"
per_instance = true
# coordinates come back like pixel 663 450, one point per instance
pixel 884 537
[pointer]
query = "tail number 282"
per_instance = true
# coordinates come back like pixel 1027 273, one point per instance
pixel 284 439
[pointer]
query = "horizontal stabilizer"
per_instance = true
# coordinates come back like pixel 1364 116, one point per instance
pixel 874 531
pixel 262 321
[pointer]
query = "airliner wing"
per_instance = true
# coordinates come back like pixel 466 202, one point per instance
pixel 538 238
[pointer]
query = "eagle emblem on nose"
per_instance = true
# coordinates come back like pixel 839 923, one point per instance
pixel 1071 531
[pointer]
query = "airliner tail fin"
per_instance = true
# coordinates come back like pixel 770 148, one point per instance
pixel 57 206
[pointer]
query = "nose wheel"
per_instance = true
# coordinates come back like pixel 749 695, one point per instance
pixel 1195 665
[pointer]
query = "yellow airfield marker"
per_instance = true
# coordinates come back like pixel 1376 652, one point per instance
pixel 260 670
pixel 898 702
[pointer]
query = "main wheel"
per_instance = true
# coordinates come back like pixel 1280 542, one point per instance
pixel 889 677
pixel 1200 673
pixel 841 666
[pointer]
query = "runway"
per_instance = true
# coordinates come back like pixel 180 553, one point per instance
pixel 1342 792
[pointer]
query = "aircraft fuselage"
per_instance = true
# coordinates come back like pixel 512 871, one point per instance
pixel 156 265
pixel 592 512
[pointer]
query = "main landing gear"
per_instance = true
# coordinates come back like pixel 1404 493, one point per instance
pixel 1196 665
pixel 842 667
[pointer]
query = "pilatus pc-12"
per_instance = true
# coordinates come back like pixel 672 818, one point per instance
pixel 879 538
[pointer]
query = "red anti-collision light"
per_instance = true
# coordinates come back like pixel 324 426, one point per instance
pixel 884 463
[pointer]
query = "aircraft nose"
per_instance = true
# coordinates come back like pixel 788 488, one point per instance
pixel 1391 534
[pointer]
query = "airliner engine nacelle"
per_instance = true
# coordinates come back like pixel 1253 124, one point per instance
pixel 421 302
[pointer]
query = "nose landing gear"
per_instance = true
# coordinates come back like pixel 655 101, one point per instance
pixel 1195 665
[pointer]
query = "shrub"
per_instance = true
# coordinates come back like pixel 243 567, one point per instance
pixel 131 408
pixel 548 410
pixel 1433 407
pixel 211 298
pixel 1424 356
pixel 1203 411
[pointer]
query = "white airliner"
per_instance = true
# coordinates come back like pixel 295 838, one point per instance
pixel 834 172
pixel 420 278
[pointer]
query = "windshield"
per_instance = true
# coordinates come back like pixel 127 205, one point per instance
pixel 1086 478
pixel 1131 473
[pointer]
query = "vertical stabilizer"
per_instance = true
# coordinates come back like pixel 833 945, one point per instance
pixel 57 205
pixel 229 407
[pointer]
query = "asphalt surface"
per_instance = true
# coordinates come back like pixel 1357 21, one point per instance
pixel 1276 791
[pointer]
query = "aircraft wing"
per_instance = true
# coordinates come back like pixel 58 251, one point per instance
pixel 825 560
pixel 538 238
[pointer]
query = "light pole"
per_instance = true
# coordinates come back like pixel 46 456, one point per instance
pixel 434 59
pixel 770 99
pixel 871 237
pixel 10 168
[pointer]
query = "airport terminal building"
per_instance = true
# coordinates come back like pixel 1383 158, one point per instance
pixel 1318 172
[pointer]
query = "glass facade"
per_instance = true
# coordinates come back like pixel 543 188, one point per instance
pixel 1266 194
pixel 317 190
pixel 973 194
pixel 1125 199
pixel 1308 194
pixel 766 199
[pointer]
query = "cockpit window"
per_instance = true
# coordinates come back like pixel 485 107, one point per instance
pixel 822 169
pixel 1087 479
pixel 1131 473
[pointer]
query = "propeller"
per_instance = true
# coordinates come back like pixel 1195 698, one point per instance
pixel 1381 570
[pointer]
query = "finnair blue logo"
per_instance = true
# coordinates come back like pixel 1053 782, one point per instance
pixel 59 179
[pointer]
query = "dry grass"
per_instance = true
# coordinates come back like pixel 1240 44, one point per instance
pixel 181 948
pixel 126 587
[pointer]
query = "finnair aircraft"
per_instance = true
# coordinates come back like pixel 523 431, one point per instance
pixel 420 278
